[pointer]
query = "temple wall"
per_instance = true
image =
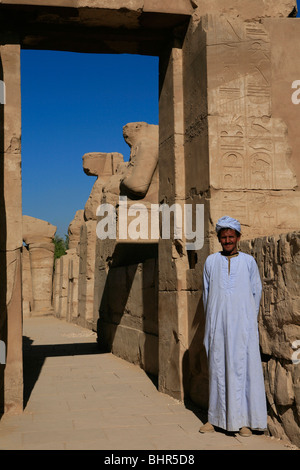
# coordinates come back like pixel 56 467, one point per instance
pixel 241 151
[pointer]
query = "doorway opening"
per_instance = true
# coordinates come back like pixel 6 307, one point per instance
pixel 74 104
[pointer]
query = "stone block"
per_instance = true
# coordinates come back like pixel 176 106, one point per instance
pixel 283 387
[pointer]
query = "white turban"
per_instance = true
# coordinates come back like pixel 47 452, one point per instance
pixel 228 222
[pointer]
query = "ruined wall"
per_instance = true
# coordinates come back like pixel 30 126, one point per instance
pixel 278 259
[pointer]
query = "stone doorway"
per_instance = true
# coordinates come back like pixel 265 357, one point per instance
pixel 150 30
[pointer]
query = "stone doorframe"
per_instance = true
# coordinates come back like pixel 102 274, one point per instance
pixel 116 26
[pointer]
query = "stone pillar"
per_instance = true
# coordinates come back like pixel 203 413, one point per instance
pixel 56 287
pixel 63 274
pixel 72 265
pixel 27 299
pixel 73 277
pixel 197 192
pixel 11 374
pixel 87 270
pixel 173 260
pixel 38 236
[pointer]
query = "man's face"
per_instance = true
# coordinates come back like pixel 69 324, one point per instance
pixel 229 240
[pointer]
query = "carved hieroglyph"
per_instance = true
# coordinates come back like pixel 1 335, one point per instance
pixel 252 178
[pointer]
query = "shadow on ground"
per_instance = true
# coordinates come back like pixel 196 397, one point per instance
pixel 34 357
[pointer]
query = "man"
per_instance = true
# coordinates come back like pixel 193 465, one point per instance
pixel 231 296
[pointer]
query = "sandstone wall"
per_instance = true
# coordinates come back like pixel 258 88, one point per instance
pixel 128 321
pixel 278 259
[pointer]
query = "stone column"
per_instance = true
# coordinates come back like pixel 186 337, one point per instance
pixel 173 260
pixel 56 287
pixel 38 236
pixel 197 192
pixel 72 255
pixel 63 274
pixel 11 374
pixel 27 299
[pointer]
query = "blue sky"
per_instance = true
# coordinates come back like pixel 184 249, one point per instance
pixel 73 104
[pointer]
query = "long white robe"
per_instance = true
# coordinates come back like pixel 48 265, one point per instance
pixel 231 302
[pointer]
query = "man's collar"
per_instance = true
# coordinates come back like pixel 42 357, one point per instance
pixel 229 256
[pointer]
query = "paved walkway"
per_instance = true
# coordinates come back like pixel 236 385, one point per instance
pixel 77 398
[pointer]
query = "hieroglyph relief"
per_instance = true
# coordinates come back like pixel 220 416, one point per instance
pixel 249 149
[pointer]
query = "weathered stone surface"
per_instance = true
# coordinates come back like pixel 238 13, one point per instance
pixel 74 229
pixel 251 163
pixel 37 230
pixel 178 6
pixel 248 10
pixel 128 323
pixel 12 382
pixel 143 141
pixel 103 166
pixel 11 374
pixel 284 73
pixel 279 327
pixel 63 263
pixel 27 299
pixel 73 280
pixel 65 285
pixel 86 281
pixel 38 236
pixel 120 26
pixel 284 394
